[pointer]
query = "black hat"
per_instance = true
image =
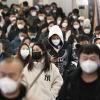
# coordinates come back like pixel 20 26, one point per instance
pixel 33 29
pixel 97 28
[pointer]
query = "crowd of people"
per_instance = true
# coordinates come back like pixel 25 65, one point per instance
pixel 48 55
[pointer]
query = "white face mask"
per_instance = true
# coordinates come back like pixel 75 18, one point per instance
pixel 76 26
pixel 41 18
pixel 32 36
pixel 20 26
pixel 58 22
pixel 56 42
pixel 88 66
pixel 74 17
pixel 48 21
pixel 98 45
pixel 64 24
pixel 24 53
pixel 33 13
pixel 30 50
pixel 8 85
pixel 21 38
pixel 54 11
pixel 81 23
pixel 87 31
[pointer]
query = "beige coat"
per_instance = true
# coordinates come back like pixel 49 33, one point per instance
pixel 45 88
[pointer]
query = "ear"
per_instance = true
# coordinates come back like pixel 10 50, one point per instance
pixel 22 75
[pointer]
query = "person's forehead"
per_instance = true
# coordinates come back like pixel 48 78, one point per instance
pixel 12 15
pixel 84 41
pixel 27 41
pixel 65 20
pixel 98 41
pixel 41 14
pixel 55 36
pixel 20 21
pixel 33 10
pixel 59 18
pixel 10 67
pixel 36 47
pixel 88 55
pixel 97 30
pixel 50 17
pixel 24 47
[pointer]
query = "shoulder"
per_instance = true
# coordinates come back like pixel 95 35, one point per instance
pixel 53 67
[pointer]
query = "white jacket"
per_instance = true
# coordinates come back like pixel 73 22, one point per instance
pixel 46 87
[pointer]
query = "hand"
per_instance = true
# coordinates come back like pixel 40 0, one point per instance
pixel 53 59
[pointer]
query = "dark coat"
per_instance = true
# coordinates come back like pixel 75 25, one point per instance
pixel 64 56
pixel 71 87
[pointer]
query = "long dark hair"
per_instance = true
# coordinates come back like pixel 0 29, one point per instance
pixel 45 55
pixel 28 59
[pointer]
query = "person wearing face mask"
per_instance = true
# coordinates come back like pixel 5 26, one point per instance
pixel 42 78
pixel 59 51
pixel 24 53
pixel 21 23
pixel 87 28
pixel 77 27
pixel 42 20
pixel 74 32
pixel 47 9
pixel 32 16
pixel 84 83
pixel 97 42
pixel 11 87
pixel 25 8
pixel 20 26
pixel 65 28
pixel 45 34
pixel 96 33
pixel 4 53
pixel 33 33
pixel 12 24
pixel 50 18
pixel 75 13
pixel 59 20
pixel 81 19
pixel 81 40
pixel 73 16
pixel 18 40
pixel 41 15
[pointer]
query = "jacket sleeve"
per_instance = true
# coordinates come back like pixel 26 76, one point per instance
pixel 56 82
pixel 24 80
pixel 62 93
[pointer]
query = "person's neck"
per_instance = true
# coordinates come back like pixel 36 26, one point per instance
pixel 12 95
pixel 89 78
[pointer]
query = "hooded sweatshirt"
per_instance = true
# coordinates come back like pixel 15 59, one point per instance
pixel 62 52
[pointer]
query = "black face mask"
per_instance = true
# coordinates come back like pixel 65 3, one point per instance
pixel 36 56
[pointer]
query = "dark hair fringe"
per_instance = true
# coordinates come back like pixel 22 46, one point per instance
pixel 47 62
pixel 89 49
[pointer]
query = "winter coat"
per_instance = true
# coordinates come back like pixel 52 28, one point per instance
pixel 71 88
pixel 63 53
pixel 47 85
